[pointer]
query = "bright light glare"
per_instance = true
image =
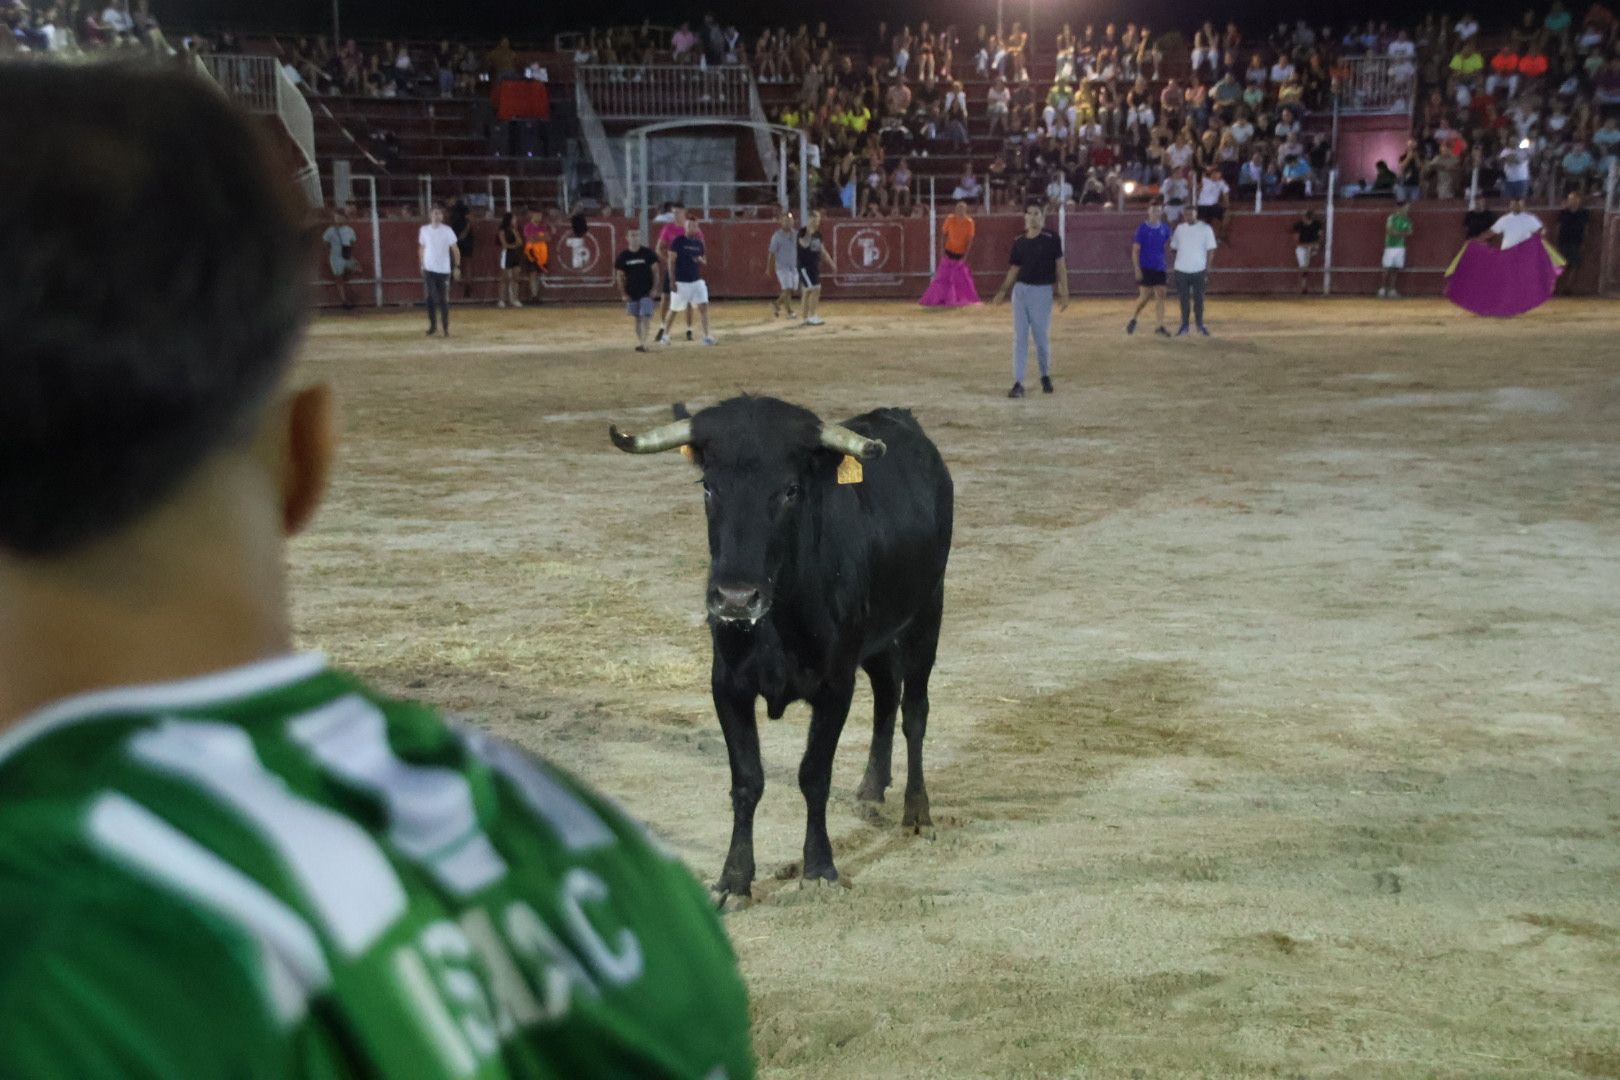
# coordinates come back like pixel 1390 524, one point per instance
pixel 1524 144
pixel 1130 187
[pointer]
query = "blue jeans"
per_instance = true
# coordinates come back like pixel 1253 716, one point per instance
pixel 1032 314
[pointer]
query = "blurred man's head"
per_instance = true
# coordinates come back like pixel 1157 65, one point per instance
pixel 436 215
pixel 1573 200
pixel 632 239
pixel 143 364
pixel 785 219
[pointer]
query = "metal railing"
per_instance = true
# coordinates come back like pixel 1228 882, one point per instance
pixel 658 91
pixel 260 85
pixel 1377 84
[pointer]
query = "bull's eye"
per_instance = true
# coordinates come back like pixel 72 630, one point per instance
pixel 791 493
pixel 708 494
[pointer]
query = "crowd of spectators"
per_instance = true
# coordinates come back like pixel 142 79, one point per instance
pixel 69 29
pixel 1535 112
pixel 1126 109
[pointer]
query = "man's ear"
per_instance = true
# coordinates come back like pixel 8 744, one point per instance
pixel 309 445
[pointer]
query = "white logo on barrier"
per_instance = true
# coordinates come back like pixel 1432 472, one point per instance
pixel 869 253
pixel 582 253
pixel 579 260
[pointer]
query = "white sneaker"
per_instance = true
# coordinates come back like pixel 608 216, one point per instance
pixel 708 340
pixel 815 320
pixel 1382 293
pixel 500 303
pixel 1393 295
pixel 517 303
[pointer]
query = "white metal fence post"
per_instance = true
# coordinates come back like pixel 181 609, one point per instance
pixel 933 230
pixel 376 243
pixel 629 178
pixel 804 176
pixel 1473 190
pixel 506 181
pixel 1327 248
pixel 781 173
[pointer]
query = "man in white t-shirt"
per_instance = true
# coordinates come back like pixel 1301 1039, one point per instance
pixel 1193 242
pixel 439 258
pixel 1516 171
pixel 1515 227
pixel 1214 195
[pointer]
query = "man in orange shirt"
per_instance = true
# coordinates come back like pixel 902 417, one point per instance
pixel 953 281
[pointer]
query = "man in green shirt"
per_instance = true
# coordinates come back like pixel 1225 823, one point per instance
pixel 218 858
pixel 1397 227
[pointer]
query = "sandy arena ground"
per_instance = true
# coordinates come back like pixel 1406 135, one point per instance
pixel 1275 729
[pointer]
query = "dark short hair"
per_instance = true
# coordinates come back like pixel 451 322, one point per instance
pixel 157 265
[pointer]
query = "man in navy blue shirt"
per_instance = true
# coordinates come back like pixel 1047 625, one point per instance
pixel 686 260
pixel 1147 259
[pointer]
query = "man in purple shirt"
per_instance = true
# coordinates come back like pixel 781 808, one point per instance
pixel 1147 259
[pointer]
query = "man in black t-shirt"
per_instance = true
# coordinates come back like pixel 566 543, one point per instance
pixel 1307 242
pixel 1037 266
pixel 634 271
pixel 1572 221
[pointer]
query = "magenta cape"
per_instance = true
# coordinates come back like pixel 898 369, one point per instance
pixel 952 286
pixel 1488 281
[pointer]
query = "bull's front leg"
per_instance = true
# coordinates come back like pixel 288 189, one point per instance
pixel 829 710
pixel 735 708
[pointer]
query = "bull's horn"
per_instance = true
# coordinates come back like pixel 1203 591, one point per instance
pixel 840 438
pixel 655 441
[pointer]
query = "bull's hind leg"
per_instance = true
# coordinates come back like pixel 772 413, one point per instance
pixel 884 672
pixel 918 648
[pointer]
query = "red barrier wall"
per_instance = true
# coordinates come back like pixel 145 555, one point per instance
pixel 890 257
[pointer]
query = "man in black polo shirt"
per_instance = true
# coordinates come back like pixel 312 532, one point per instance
pixel 1037 265
pixel 1572 221
pixel 634 270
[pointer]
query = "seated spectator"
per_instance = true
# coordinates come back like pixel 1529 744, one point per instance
pixel 1257 73
pixel 501 60
pixel 1242 129
pixel 1171 102
pixel 998 100
pixel 1579 167
pixel 1606 141
pixel 897 101
pixel 1252 173
pixel 1296 178
pixel 1384 180
pixel 1227 94
pixel 684 45
pixel 1282 70
pixel 1467 62
pixel 1606 86
pixel 968 188
pixel 1504 71
pixel 1533 64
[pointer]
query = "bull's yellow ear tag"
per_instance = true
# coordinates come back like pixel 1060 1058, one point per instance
pixel 687 453
pixel 850 470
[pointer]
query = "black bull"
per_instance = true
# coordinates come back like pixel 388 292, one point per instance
pixel 815 571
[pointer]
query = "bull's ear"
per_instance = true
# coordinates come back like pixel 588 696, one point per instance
pixel 680 411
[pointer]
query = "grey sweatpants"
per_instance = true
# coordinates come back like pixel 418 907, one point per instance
pixel 437 287
pixel 1032 314
pixel 1190 288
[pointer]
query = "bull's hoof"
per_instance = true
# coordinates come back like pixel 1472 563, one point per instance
pixel 732 886
pixel 916 816
pixel 826 872
pixel 871 790
pixel 725 902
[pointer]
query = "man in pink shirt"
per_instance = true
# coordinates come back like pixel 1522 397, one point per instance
pixel 673 226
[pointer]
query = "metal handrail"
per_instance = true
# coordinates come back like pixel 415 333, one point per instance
pixel 656 91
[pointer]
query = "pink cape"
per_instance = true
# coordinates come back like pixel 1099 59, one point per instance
pixel 952 286
pixel 1501 284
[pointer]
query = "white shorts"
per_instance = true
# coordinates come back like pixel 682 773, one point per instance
pixel 1302 255
pixel 787 279
pixel 688 293
pixel 1395 258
